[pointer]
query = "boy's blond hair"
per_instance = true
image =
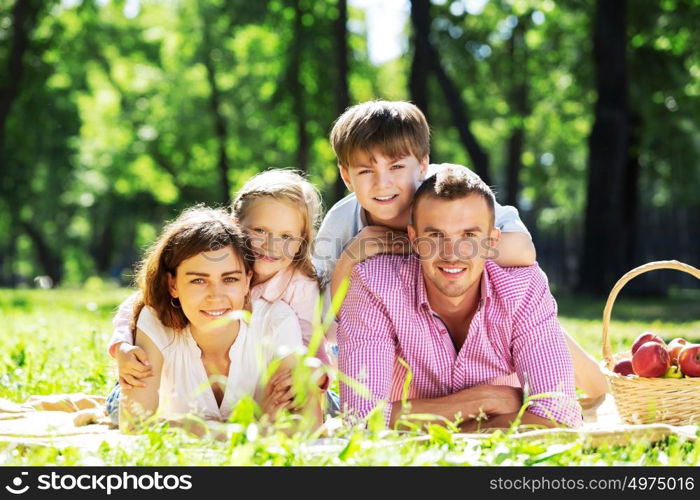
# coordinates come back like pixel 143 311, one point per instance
pixel 292 188
pixel 396 128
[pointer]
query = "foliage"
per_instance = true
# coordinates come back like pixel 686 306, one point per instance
pixel 123 117
pixel 54 342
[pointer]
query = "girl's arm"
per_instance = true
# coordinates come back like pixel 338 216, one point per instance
pixel 121 324
pixel 138 403
pixel 132 361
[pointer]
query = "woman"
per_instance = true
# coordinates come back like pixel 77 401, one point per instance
pixel 194 283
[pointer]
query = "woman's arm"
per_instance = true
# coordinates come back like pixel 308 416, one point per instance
pixel 279 394
pixel 138 403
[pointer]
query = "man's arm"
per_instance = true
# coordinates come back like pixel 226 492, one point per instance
pixel 505 421
pixel 541 357
pixel 366 348
pixel 467 404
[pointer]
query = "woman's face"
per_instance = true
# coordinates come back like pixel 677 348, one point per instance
pixel 209 285
pixel 276 232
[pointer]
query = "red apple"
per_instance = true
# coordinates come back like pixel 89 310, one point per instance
pixel 624 367
pixel 674 348
pixel 646 337
pixel 689 360
pixel 651 360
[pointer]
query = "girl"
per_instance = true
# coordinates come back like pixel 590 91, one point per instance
pixel 202 360
pixel 279 210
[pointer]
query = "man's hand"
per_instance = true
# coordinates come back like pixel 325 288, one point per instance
pixel 133 366
pixel 469 404
pixel 504 399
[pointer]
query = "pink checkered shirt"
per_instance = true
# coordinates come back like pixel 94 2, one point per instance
pixel 514 339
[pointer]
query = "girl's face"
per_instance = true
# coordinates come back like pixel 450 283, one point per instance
pixel 276 232
pixel 209 285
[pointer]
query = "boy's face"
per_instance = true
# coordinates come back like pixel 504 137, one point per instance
pixel 384 186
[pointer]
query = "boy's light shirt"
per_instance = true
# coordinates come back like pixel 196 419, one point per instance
pixel 347 218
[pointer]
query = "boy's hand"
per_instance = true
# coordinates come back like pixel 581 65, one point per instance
pixel 375 240
pixel 133 365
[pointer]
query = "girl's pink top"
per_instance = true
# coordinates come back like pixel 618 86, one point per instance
pixel 302 294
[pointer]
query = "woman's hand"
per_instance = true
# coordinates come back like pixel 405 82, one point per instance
pixel 279 392
pixel 133 365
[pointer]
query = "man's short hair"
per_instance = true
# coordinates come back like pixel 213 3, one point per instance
pixel 396 128
pixel 453 182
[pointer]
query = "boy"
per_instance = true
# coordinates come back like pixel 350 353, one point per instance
pixel 383 152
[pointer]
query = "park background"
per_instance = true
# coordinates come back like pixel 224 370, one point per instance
pixel 116 115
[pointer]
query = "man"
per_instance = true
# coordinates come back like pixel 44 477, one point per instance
pixel 468 330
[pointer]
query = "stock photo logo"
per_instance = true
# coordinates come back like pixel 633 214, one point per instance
pixel 16 488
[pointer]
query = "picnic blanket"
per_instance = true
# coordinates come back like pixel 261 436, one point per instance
pixel 79 420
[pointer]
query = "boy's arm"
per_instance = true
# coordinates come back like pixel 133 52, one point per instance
pixel 371 241
pixel 515 247
pixel 515 250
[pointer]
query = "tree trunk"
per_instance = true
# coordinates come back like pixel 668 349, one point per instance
pixel 603 251
pixel 341 47
pixel 24 17
pixel 220 127
pixel 50 263
pixel 631 191
pixel 519 110
pixel 296 89
pixel 420 66
pixel 420 17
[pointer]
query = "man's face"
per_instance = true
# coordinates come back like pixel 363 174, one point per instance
pixel 384 186
pixel 452 239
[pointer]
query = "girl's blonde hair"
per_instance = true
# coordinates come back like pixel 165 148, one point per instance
pixel 290 187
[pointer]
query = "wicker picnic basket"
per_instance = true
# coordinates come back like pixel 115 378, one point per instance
pixel 643 400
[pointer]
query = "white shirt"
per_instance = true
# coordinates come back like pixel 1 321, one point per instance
pixel 184 385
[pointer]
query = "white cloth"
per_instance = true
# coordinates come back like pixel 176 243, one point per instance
pixel 184 386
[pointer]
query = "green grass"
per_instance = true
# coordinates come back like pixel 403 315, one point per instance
pixel 54 342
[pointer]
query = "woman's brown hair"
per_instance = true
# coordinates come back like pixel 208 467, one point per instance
pixel 198 229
